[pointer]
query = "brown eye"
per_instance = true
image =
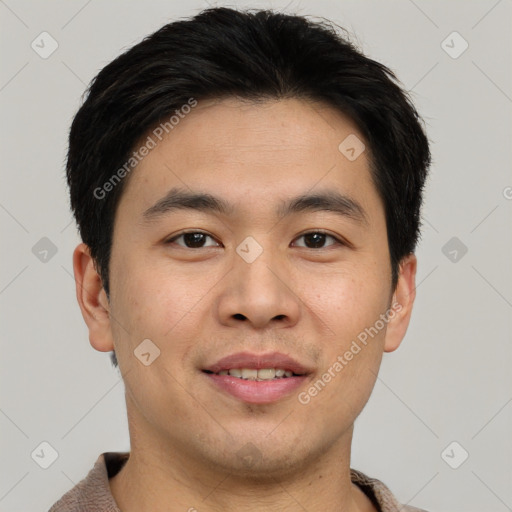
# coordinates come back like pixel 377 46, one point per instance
pixel 317 239
pixel 192 240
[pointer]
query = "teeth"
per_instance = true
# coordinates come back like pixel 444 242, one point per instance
pixel 249 374
pixel 267 373
pixel 261 374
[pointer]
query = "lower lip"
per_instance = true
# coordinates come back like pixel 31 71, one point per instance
pixel 254 391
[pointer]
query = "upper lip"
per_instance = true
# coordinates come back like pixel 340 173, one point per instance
pixel 258 361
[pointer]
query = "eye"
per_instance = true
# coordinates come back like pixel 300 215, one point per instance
pixel 316 240
pixel 192 240
pixel 196 240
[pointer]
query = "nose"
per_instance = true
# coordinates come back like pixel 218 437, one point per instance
pixel 260 293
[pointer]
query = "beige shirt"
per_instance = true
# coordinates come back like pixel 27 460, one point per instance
pixel 92 494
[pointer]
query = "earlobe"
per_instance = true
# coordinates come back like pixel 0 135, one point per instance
pixel 92 299
pixel 401 304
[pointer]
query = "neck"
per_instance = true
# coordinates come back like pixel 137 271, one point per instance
pixel 160 476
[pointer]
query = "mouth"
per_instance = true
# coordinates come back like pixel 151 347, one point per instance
pixel 263 374
pixel 257 378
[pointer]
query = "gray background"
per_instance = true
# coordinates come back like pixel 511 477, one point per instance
pixel 449 381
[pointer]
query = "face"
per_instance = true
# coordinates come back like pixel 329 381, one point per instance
pixel 259 277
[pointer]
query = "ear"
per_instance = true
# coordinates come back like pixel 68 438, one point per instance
pixel 92 299
pixel 401 303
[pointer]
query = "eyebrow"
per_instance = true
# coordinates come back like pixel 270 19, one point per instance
pixel 328 200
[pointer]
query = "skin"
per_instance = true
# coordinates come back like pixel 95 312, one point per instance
pixel 200 304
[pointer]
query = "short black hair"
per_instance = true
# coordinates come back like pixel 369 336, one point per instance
pixel 252 55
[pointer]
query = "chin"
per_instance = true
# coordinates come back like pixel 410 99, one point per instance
pixel 263 459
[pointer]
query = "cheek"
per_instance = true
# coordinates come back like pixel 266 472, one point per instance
pixel 351 351
pixel 346 301
pixel 159 301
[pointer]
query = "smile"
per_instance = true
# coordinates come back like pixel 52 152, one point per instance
pixel 258 375
pixel 257 378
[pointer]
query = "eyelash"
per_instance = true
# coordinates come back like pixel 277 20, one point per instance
pixel 337 240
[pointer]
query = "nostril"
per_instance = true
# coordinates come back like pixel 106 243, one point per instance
pixel 239 316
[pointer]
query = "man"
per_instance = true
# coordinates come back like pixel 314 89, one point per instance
pixel 247 187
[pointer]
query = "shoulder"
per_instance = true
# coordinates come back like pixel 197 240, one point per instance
pixel 92 494
pixel 380 495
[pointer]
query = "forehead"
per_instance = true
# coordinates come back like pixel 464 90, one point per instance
pixel 241 149
pixel 220 129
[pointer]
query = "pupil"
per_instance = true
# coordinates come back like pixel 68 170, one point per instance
pixel 193 239
pixel 317 239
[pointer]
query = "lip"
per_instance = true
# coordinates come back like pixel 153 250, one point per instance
pixel 258 362
pixel 257 392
